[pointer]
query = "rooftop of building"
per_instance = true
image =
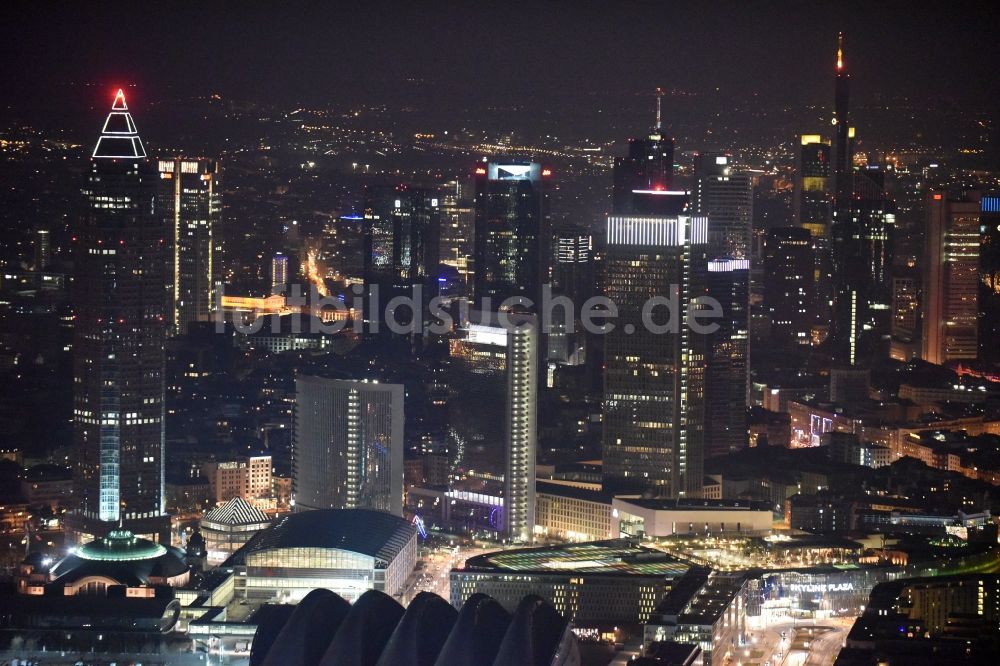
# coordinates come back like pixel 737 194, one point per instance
pixel 621 557
pixel 700 596
pixel 326 629
pixel 373 533
pixel 236 511
pixel 48 472
pixel 695 504
pixel 554 487
pixel 123 557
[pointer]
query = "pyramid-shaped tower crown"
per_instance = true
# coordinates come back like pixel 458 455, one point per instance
pixel 119 138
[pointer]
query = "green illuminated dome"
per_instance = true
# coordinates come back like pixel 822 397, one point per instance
pixel 120 546
pixel 124 558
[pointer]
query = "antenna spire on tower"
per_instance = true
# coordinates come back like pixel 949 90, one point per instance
pixel 119 103
pixel 659 117
pixel 840 51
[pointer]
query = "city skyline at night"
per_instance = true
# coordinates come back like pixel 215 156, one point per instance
pixel 462 335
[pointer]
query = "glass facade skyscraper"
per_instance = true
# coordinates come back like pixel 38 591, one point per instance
pixel 989 280
pixel 951 278
pixel 494 379
pixel 347 445
pixel 512 231
pixel 726 357
pixel 654 380
pixel 119 329
pixel 789 267
pixel 191 192
pixel 725 196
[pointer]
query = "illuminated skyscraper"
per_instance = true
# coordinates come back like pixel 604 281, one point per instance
pixel 843 138
pixel 43 249
pixel 989 280
pixel 725 196
pixel 512 231
pixel 649 165
pixel 494 379
pixel 347 445
pixel 789 266
pixel 457 227
pixel 401 246
pixel 812 194
pixel 279 272
pixel 905 326
pixel 812 206
pixel 726 361
pixel 191 203
pixel 860 242
pixel 119 340
pixel 951 278
pixel 654 380
pixel 574 263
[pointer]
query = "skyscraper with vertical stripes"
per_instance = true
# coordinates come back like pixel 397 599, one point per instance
pixel 654 380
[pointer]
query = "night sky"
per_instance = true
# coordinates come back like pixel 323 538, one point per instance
pixel 533 55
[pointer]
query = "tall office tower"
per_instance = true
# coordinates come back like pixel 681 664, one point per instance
pixel 874 213
pixel 788 284
pixel 344 246
pixel 726 360
pixel 843 139
pixel 905 328
pixel 43 249
pixel 951 278
pixel 573 270
pixel 457 227
pixel 649 165
pixel 812 195
pixel 989 280
pixel 347 445
pixel 812 207
pixel 862 281
pixel 401 245
pixel 654 380
pixel 512 231
pixel 494 380
pixel 574 277
pixel 279 272
pixel 190 194
pixel 725 196
pixel 119 341
pixel 848 295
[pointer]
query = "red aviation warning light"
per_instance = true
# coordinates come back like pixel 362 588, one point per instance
pixel 119 103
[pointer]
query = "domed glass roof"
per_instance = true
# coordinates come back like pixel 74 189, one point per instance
pixel 120 546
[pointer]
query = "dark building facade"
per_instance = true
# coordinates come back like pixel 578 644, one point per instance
pixel 512 231
pixel 725 196
pixel 788 283
pixel 726 358
pixel 119 340
pixel 649 165
pixel 989 280
pixel 401 249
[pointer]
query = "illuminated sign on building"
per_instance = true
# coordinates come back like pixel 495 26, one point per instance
pixel 531 171
pixel 822 588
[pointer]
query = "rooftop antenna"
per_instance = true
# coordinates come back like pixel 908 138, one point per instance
pixel 840 51
pixel 659 99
